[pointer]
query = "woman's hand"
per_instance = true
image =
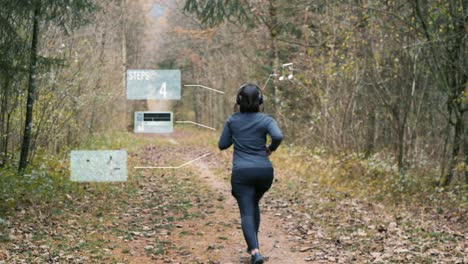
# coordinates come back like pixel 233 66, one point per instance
pixel 268 151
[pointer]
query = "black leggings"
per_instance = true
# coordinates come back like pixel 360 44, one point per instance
pixel 248 187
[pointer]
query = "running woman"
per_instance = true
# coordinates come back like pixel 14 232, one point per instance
pixel 252 171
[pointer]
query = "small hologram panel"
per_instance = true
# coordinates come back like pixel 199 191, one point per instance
pixel 98 165
pixel 153 84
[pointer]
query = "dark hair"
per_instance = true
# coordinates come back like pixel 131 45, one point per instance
pixel 249 99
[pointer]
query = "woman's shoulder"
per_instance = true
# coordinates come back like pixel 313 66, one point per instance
pixel 233 116
pixel 266 117
pixel 258 115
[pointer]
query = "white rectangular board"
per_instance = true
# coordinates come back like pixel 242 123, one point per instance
pixel 153 122
pixel 98 166
pixel 153 84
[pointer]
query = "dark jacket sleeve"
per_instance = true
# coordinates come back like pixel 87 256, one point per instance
pixel 275 133
pixel 225 141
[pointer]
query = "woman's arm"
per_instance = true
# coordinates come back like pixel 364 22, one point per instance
pixel 276 135
pixel 225 141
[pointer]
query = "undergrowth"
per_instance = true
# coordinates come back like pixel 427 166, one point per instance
pixel 373 178
pixel 376 178
pixel 46 181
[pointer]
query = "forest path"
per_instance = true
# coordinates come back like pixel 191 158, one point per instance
pixel 226 233
pixel 188 215
pixel 302 222
pixel 210 231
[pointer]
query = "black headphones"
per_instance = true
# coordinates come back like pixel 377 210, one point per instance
pixel 239 95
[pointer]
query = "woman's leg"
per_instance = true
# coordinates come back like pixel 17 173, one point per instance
pixel 248 187
pixel 257 211
pixel 263 184
pixel 245 196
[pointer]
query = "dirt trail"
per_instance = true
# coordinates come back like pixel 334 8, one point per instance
pixel 340 229
pixel 156 228
pixel 275 243
pixel 218 238
pixel 188 215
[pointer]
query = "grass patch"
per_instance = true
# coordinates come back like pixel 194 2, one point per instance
pixel 46 180
pixel 374 178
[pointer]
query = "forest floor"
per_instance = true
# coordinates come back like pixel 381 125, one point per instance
pixel 188 215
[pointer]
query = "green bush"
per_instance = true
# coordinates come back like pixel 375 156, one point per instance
pixel 35 187
pixel 46 180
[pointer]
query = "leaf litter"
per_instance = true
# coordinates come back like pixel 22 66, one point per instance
pixel 189 216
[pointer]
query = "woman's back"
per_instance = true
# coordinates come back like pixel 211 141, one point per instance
pixel 248 132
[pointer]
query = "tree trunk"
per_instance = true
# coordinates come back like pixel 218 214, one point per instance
pixel 196 101
pixel 273 28
pixel 465 150
pixel 7 138
pixel 123 44
pixel 443 162
pixel 31 90
pixel 457 79
pixel 370 132
pixel 457 140
pixel 401 145
pixel 4 122
pixel 93 119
